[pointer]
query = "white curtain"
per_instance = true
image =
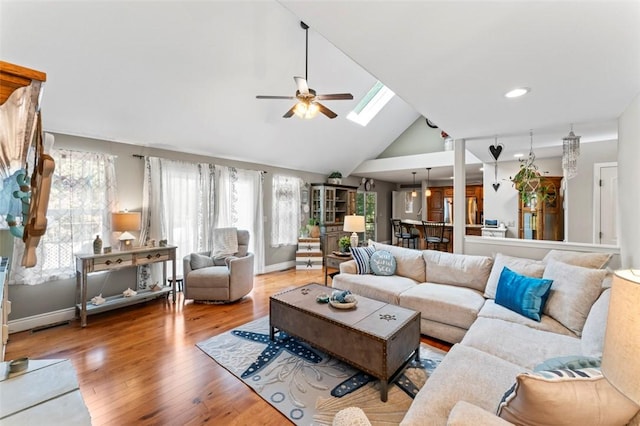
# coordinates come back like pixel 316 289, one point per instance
pixel 239 203
pixel 82 198
pixel 177 205
pixel 285 210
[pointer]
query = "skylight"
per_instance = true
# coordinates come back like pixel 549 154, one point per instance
pixel 371 104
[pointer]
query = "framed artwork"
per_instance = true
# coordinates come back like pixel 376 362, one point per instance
pixel 304 196
pixel 408 202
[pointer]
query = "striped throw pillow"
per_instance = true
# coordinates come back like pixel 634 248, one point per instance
pixel 362 255
pixel 565 397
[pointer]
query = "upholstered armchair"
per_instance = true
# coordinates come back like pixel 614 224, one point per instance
pixel 219 279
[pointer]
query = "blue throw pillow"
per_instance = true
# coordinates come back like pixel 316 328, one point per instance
pixel 522 294
pixel 382 263
pixel 362 255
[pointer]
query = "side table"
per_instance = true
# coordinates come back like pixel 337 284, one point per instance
pixel 333 261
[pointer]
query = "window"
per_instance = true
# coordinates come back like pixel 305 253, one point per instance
pixel 371 104
pixel 285 218
pixel 81 200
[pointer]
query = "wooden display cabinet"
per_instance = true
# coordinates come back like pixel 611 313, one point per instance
pixel 329 205
pixel 543 220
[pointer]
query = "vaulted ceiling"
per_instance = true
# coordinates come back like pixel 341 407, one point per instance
pixel 183 75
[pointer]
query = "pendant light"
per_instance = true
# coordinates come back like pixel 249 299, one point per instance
pixel 414 193
pixel 570 153
pixel 427 192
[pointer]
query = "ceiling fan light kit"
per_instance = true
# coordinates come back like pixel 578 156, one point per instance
pixel 308 105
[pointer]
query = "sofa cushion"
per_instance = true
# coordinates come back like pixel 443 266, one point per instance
pixel 362 255
pixel 577 258
pixel 573 292
pixel 409 262
pixel 382 263
pixel 385 289
pixel 518 343
pixel 491 309
pixel 466 414
pixel 200 261
pixel 454 305
pixel 566 397
pixel 463 270
pixel 594 327
pixel 464 374
pixel 522 294
pixel 528 267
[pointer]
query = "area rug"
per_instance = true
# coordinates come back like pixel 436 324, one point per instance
pixel 309 386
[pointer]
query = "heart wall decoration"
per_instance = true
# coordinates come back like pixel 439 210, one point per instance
pixel 495 150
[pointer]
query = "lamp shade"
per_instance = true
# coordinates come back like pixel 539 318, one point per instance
pixel 125 221
pixel 354 223
pixel 622 339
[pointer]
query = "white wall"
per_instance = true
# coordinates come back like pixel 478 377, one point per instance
pixel 580 189
pixel 503 203
pixel 416 139
pixel 628 184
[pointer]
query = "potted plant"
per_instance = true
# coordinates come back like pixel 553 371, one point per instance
pixel 344 243
pixel 313 227
pixel 335 178
pixel 528 182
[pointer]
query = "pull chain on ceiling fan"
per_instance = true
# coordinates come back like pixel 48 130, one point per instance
pixel 308 105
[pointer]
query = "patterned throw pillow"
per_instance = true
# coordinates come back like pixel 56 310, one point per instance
pixel 362 255
pixel 565 397
pixel 522 294
pixel 382 263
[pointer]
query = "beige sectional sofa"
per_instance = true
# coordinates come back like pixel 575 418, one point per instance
pixel 492 344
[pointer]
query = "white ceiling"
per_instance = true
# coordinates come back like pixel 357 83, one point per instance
pixel 184 75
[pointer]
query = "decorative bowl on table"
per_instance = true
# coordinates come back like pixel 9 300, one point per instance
pixel 343 299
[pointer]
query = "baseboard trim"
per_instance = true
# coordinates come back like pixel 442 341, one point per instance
pixel 280 266
pixel 41 320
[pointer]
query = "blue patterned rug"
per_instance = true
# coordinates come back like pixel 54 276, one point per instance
pixel 307 385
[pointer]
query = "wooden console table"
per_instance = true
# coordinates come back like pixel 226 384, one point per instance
pixel 88 263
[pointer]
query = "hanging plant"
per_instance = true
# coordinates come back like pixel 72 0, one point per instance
pixel 528 181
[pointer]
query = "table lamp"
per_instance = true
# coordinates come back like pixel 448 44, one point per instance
pixel 620 363
pixel 125 222
pixel 354 224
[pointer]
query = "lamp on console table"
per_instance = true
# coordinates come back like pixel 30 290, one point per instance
pixel 622 339
pixel 354 224
pixel 125 222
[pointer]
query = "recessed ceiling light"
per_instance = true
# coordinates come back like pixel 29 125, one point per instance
pixel 518 155
pixel 517 92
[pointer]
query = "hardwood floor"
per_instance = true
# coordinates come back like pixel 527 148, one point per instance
pixel 140 365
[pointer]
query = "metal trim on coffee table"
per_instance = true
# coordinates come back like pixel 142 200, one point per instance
pixel 378 338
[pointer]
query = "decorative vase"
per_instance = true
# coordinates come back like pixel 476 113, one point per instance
pixel 314 231
pixel 97 245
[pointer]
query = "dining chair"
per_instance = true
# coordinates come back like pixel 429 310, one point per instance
pixel 403 235
pixel 433 233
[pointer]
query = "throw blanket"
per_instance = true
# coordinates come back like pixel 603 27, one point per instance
pixel 225 242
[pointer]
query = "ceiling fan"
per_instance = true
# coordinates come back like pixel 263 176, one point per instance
pixel 308 105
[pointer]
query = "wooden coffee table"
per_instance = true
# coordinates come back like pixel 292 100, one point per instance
pixel 375 337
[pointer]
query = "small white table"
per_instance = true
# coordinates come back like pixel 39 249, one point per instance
pixel 47 393
pixel 494 232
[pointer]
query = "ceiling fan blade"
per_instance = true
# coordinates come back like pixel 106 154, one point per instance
pixel 335 97
pixel 303 87
pixel 289 113
pixel 326 111
pixel 274 97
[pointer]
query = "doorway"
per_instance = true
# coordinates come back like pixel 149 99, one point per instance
pixel 367 206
